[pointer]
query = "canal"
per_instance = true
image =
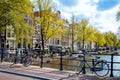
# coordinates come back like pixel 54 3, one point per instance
pixel 116 64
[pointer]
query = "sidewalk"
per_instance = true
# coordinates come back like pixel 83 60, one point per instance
pixel 48 72
pixel 5 76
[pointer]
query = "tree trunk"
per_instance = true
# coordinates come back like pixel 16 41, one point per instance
pixel 72 40
pixel 42 38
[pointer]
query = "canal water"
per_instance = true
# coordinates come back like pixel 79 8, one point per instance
pixel 116 64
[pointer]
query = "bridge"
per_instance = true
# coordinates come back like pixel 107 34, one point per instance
pixel 41 72
pixel 37 73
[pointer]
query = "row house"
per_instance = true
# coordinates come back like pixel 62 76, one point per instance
pixel 3 39
pixel 8 38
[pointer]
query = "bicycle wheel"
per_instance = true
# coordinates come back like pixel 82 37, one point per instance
pixel 78 68
pixel 101 69
pixel 26 61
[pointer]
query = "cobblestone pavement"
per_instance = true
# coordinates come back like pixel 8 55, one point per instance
pixel 46 72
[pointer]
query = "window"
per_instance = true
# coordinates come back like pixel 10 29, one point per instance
pixel 11 44
pixel 58 42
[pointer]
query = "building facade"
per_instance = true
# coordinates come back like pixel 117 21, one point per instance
pixel 8 37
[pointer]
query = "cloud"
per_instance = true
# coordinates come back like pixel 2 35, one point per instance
pixel 105 20
pixel 101 17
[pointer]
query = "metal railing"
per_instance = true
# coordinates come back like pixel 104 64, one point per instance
pixel 111 62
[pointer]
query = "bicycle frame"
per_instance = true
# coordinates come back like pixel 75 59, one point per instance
pixel 98 66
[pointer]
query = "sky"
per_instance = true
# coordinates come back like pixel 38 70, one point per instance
pixel 100 13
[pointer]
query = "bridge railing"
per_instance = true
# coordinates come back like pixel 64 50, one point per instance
pixel 60 62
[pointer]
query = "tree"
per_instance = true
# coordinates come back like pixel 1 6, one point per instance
pixel 72 31
pixel 111 39
pixel 118 43
pixel 99 39
pixel 90 36
pixel 13 13
pixel 5 18
pixel 83 31
pixel 50 24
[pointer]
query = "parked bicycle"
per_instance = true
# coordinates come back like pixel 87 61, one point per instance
pixel 99 67
pixel 21 57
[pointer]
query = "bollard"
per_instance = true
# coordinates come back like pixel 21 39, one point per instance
pixel 2 55
pixel 93 64
pixel 111 70
pixel 84 71
pixel 61 64
pixel 41 56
